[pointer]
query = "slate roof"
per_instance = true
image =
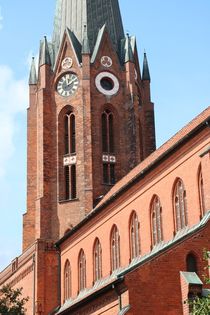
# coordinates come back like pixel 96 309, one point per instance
pixel 92 13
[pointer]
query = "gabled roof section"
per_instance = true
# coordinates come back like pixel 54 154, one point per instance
pixel 75 45
pixel 98 43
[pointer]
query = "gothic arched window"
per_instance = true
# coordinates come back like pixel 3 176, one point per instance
pixel 191 263
pixel 115 248
pixel 156 221
pixel 67 154
pixel 67 281
pixel 134 236
pixel 201 193
pixel 180 205
pixel 69 136
pixel 108 147
pixel 97 258
pixel 82 270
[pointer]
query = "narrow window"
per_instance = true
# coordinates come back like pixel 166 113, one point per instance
pixel 82 271
pixel 97 255
pixel 108 147
pixel 156 221
pixel 66 134
pixel 191 263
pixel 72 134
pixel 115 248
pixel 134 236
pixel 67 190
pixel 67 281
pixel 180 205
pixel 68 177
pixel 201 193
pixel 70 182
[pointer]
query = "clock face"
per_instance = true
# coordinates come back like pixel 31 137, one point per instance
pixel 67 84
pixel 107 83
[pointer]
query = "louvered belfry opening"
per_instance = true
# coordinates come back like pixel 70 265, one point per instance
pixel 108 148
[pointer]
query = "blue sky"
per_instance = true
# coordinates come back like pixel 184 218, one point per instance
pixel 176 36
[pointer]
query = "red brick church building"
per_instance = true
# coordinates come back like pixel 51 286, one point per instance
pixel 113 226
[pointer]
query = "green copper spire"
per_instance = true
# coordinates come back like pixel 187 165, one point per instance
pixel 74 14
pixel 145 74
pixel 32 76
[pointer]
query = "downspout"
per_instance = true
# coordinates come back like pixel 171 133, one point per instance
pixel 59 274
pixel 119 296
pixel 34 283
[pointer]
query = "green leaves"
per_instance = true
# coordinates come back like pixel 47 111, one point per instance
pixel 11 301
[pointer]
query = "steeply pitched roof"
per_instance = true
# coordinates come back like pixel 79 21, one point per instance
pixel 93 13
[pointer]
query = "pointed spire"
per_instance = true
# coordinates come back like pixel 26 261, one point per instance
pixel 85 42
pixel 145 74
pixel 128 50
pixel 32 76
pixel 44 53
pixel 94 13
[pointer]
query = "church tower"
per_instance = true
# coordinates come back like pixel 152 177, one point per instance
pixel 90 119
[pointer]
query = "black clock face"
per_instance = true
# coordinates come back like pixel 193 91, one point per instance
pixel 68 84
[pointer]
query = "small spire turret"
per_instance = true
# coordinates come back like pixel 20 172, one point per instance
pixel 145 73
pixel 44 57
pixel 128 50
pixel 85 42
pixel 33 76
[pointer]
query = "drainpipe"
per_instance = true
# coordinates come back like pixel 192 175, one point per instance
pixel 34 283
pixel 119 296
pixel 59 274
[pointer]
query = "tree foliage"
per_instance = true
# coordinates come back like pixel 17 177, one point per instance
pixel 201 305
pixel 11 301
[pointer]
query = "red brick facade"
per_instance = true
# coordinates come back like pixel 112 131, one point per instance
pixel 108 248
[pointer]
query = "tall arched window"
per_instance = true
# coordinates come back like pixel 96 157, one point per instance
pixel 201 193
pixel 97 257
pixel 115 248
pixel 82 270
pixel 108 147
pixel 156 221
pixel 191 263
pixel 69 136
pixel 67 281
pixel 67 154
pixel 180 205
pixel 134 236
